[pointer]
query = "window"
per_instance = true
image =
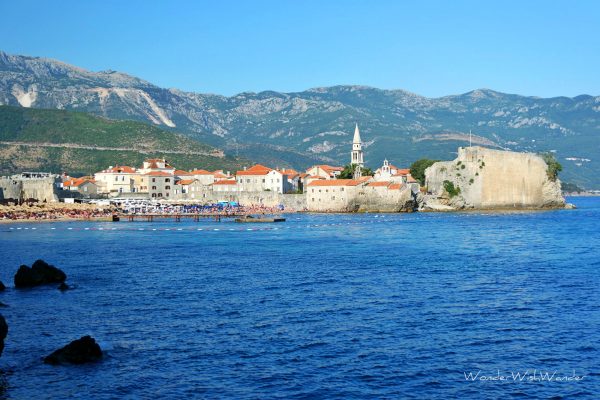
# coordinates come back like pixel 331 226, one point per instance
pixel 326 190
pixel 160 195
pixel 153 187
pixel 167 180
pixel 123 178
pixel 167 194
pixel 167 187
pixel 153 194
pixel 332 197
pixel 116 179
pixel 248 180
pixel 341 189
pixel 313 199
pixel 313 190
pixel 265 180
pixel 153 179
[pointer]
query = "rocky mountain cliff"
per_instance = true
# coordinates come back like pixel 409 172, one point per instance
pixel 298 129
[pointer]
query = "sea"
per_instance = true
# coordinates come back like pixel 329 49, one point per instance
pixel 466 305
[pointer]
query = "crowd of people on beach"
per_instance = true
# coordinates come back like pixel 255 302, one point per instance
pixel 23 213
pixel 208 210
pixel 62 211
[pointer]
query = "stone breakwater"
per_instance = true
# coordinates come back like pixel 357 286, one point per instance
pixel 481 178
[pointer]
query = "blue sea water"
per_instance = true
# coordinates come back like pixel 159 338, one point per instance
pixel 321 306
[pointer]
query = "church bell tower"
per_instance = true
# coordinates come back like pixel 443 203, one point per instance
pixel 356 157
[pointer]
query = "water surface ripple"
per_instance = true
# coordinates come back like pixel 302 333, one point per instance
pixel 321 306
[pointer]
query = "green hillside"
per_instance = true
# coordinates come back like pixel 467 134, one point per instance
pixel 79 143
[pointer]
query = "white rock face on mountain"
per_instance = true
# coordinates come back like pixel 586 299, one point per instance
pixel 25 98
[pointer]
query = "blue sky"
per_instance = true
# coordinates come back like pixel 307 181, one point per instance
pixel 434 48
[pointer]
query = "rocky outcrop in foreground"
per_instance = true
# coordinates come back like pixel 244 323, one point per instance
pixel 3 333
pixel 80 351
pixel 481 178
pixel 40 273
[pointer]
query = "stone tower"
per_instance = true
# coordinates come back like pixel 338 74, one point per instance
pixel 356 157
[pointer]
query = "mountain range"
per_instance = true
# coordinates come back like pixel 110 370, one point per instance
pixel 316 125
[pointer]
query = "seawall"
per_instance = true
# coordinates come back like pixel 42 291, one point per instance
pixel 483 178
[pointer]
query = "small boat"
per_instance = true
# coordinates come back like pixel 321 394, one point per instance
pixel 250 218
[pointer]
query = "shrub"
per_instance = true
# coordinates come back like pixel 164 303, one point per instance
pixel 554 166
pixel 450 189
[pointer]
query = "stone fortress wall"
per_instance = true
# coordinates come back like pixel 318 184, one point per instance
pixel 494 179
pixel 39 186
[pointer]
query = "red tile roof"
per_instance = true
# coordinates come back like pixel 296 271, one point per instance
pixel 200 172
pixel 379 184
pixel 120 169
pixel 395 186
pixel 185 182
pixel 335 182
pixel 180 172
pixel 329 168
pixel 289 171
pixel 400 171
pixel 74 182
pixel 225 182
pixel 158 173
pixel 255 170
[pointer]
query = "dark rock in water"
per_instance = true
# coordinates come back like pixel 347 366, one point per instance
pixel 2 287
pixel 40 273
pixel 3 333
pixel 63 287
pixel 80 351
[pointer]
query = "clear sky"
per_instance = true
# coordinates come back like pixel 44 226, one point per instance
pixel 434 48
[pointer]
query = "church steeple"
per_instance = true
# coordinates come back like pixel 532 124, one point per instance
pixel 356 135
pixel 356 156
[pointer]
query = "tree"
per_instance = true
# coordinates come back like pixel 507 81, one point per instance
pixel 554 166
pixel 417 169
pixel 348 172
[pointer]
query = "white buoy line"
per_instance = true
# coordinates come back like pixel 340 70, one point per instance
pixel 373 220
